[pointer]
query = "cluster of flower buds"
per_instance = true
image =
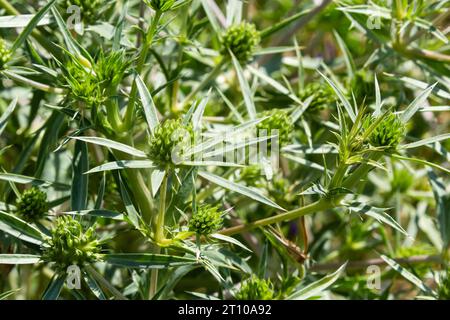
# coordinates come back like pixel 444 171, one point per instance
pixel 276 119
pixel 242 40
pixel 5 54
pixel 206 220
pixel 70 245
pixel 169 135
pixel 32 205
pixel 256 289
pixel 388 133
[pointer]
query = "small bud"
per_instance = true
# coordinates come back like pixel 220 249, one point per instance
pixel 170 137
pixel 277 120
pixel 241 39
pixel 256 289
pixel 68 245
pixel 322 95
pixel 5 54
pixel 160 5
pixel 206 220
pixel 32 205
pixel 388 133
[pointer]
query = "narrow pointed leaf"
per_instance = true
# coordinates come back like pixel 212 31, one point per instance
pixel 238 188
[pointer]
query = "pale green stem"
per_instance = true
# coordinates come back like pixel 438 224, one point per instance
pixel 317 206
pixel 159 231
pixel 151 32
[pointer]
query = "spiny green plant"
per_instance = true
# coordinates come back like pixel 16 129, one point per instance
pixel 163 111
pixel 70 245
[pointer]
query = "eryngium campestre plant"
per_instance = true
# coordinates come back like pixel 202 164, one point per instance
pixel 32 205
pixel 256 289
pixel 388 133
pixel 5 54
pixel 87 118
pixel 169 135
pixel 207 220
pixel 241 40
pixel 70 245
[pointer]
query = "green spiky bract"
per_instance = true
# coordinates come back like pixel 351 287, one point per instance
pixel 169 135
pixel 32 205
pixel 242 40
pixel 256 289
pixel 206 220
pixel 70 245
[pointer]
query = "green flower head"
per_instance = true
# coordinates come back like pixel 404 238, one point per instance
pixel 169 141
pixel 277 120
pixel 241 39
pixel 5 54
pixel 83 83
pixel 160 5
pixel 89 9
pixel 206 220
pixel 32 204
pixel 256 289
pixel 111 67
pixel 322 94
pixel 69 245
pixel 388 133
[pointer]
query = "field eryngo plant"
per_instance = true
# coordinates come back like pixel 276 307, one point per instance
pixel 193 149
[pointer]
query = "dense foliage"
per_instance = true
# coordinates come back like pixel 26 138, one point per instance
pixel 206 149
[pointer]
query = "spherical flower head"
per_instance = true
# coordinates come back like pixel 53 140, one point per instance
pixel 388 133
pixel 277 122
pixel 322 95
pixel 89 9
pixel 70 245
pixel 169 141
pixel 5 54
pixel 160 5
pixel 241 40
pixel 32 205
pixel 256 289
pixel 206 220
